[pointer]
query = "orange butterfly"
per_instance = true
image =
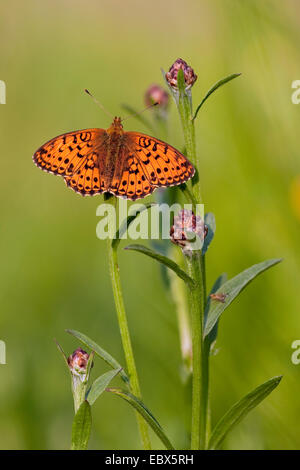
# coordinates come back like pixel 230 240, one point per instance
pixel 127 164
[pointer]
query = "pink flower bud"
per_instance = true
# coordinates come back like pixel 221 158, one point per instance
pixel 78 361
pixel 189 75
pixel 156 94
pixel 186 221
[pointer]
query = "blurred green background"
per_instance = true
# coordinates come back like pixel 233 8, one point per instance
pixel 54 269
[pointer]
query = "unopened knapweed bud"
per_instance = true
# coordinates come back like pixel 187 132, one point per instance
pixel 80 365
pixel 156 94
pixel 185 224
pixel 78 362
pixel 189 75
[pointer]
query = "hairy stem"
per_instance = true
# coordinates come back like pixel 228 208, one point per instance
pixel 196 267
pixel 179 296
pixel 205 422
pixel 186 116
pixel 126 341
pixel 198 430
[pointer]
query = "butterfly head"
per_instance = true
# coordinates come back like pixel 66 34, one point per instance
pixel 116 126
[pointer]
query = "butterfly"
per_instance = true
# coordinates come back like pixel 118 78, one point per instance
pixel 127 164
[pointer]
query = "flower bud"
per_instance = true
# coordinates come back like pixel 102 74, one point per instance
pixel 80 366
pixel 187 222
pixel 189 75
pixel 156 94
pixel 78 362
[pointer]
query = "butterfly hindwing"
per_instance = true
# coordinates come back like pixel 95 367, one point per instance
pixel 87 179
pixel 130 181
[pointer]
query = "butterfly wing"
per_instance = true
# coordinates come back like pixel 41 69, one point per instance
pixel 143 163
pixel 130 180
pixel 160 163
pixel 79 157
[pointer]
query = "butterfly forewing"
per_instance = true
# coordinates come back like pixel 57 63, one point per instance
pixel 64 154
pixel 162 164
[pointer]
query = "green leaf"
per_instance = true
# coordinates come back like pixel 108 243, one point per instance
pixel 81 428
pixel 180 81
pixel 164 260
pixel 210 222
pixel 125 224
pixel 240 410
pixel 144 412
pixel 62 352
pixel 214 88
pixel 231 289
pixel 90 365
pixel 100 352
pixel 100 384
pixel 137 114
pixel 212 336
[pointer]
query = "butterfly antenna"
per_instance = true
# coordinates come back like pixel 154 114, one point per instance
pixel 140 112
pixel 98 103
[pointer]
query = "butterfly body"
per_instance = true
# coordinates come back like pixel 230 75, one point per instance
pixel 126 164
pixel 113 144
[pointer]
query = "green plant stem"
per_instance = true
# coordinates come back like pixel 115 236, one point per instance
pixel 186 116
pixel 179 295
pixel 200 379
pixel 189 196
pixel 127 347
pixel 79 391
pixel 205 434
pixel 196 267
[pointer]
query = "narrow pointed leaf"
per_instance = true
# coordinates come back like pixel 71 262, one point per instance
pixel 214 88
pixel 210 222
pixel 212 336
pixel 100 384
pixel 144 412
pixel 181 85
pixel 62 352
pixel 81 428
pixel 240 410
pixel 231 289
pixel 100 352
pixel 90 364
pixel 125 224
pixel 164 260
